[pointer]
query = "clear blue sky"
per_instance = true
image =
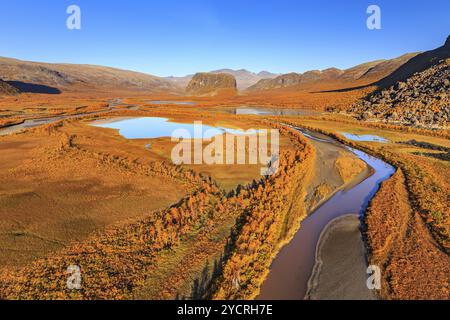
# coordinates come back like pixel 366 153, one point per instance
pixel 168 37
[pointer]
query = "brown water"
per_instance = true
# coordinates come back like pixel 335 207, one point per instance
pixel 292 268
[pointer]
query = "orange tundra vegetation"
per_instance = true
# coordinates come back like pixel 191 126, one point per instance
pixel 425 181
pixel 115 263
pixel 413 266
pixel 274 212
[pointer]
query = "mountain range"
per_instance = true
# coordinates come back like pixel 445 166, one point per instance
pixel 51 78
pixel 363 73
pixel 244 78
pixel 7 89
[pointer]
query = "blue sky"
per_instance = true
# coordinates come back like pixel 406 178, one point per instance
pixel 168 37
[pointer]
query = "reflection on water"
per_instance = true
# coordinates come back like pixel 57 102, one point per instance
pixel 292 268
pixel 153 127
pixel 273 112
pixel 364 137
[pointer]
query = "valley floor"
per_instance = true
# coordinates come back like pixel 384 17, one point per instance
pixel 143 228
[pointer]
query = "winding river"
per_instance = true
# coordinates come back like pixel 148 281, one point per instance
pixel 292 268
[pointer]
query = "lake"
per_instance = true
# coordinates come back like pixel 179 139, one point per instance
pixel 153 127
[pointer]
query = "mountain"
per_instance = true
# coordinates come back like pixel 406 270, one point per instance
pixel 364 74
pixel 244 78
pixel 55 78
pixel 423 100
pixel 211 84
pixel 416 94
pixel 267 75
pixel 6 89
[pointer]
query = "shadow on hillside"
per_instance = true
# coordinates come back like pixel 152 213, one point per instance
pixel 33 88
pixel 347 89
pixel 416 64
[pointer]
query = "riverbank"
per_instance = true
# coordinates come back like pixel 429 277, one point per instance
pixel 292 268
pixel 339 272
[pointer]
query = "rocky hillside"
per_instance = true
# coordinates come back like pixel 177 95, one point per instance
pixel 54 78
pixel 364 74
pixel 211 84
pixel 244 78
pixel 423 100
pixel 6 89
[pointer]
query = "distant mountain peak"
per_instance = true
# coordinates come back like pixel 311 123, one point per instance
pixel 211 83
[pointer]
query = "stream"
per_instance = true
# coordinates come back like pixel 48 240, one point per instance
pixel 292 268
pixel 32 123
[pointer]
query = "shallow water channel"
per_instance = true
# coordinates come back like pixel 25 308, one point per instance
pixel 292 268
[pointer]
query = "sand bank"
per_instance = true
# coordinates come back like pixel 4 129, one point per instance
pixel 340 269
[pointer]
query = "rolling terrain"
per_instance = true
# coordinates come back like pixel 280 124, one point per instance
pixel 416 94
pixel 50 78
pixel 359 75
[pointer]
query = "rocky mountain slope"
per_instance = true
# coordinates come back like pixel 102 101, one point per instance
pixel 54 78
pixel 416 94
pixel 211 84
pixel 6 89
pixel 364 74
pixel 244 78
pixel 423 100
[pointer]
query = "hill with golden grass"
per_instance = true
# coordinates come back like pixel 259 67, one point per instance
pixel 359 75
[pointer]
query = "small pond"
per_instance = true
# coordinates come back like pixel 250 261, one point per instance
pixel 364 137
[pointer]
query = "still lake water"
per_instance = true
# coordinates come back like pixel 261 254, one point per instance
pixel 152 128
pixel 364 137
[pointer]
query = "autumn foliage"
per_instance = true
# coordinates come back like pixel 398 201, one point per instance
pixel 413 267
pixel 115 263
